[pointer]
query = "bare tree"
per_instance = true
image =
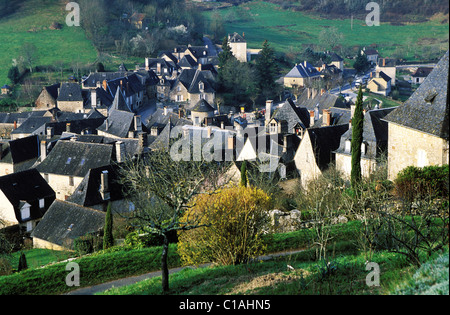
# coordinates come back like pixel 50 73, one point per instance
pixel 161 190
pixel 29 55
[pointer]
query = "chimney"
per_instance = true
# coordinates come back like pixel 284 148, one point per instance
pixel 143 140
pixel 208 132
pixel 308 90
pixel 43 150
pixel 285 143
pixel 121 85
pixel 50 132
pixel 305 64
pixel 158 68
pixel 105 85
pixel 326 117
pixel 104 185
pixel 137 123
pixel 15 124
pixel 311 118
pixel 68 127
pixel 94 98
pixel 352 110
pixel 120 151
pixel 200 67
pixel 269 108
pixel 384 62
pixel 147 64
pixel 166 111
pixel 350 124
pixel 322 91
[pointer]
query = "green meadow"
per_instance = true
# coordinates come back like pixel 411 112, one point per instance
pixel 31 24
pixel 290 31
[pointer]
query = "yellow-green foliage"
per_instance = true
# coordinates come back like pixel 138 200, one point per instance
pixel 233 220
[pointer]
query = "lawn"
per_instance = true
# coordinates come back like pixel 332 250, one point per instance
pixel 31 23
pixel 289 30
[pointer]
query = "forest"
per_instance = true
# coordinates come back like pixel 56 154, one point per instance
pixel 167 23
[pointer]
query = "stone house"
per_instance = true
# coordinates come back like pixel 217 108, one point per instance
pixel 18 155
pixel 193 85
pixel 315 153
pixel 68 163
pixel 24 199
pixel 420 74
pixel 381 84
pixel 64 222
pixel 371 55
pixel 70 98
pixel 238 46
pixel 418 129
pixel 388 66
pixel 301 75
pixel 374 147
pixel 48 96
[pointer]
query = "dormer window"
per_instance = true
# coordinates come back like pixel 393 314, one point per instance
pixel 201 86
pixel 348 146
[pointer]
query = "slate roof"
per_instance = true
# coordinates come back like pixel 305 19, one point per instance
pixel 27 186
pixel 64 222
pixel 339 116
pixel 119 102
pixel 303 70
pixel 375 133
pixel 93 78
pixel 324 141
pixel 334 57
pixel 325 101
pixel 118 123
pixel 20 150
pixel 422 72
pixel 88 193
pixel 130 85
pixel 70 92
pixel 202 106
pixel 292 115
pixel 73 158
pixel 427 108
pixel 190 78
pixel 236 38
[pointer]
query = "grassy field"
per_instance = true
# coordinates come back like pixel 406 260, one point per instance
pixel 288 30
pixel 31 24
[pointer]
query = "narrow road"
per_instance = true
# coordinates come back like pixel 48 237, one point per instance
pixel 130 280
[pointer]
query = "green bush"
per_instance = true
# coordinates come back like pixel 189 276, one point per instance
pixel 419 183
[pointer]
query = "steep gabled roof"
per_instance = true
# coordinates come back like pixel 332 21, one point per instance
pixel 303 70
pixel 70 92
pixel 64 222
pixel 28 186
pixel 427 108
pixel 73 158
pixel 118 123
pixel 292 115
pixel 119 102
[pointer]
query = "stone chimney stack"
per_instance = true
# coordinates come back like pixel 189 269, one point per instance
pixel 68 127
pixel 311 118
pixel 43 150
pixel 269 109
pixel 104 185
pixel 94 98
pixel 137 123
pixel 120 151
pixel 326 117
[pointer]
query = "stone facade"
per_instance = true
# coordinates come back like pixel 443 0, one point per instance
pixel 427 149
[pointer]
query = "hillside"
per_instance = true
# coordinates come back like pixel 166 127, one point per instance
pixel 292 31
pixel 30 22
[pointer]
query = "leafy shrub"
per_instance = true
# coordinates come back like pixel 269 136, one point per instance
pixel 233 220
pixel 418 183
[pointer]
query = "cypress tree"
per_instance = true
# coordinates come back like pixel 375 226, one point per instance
pixel 357 137
pixel 108 239
pixel 22 263
pixel 244 180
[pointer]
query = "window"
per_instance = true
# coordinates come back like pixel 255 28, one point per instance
pixel 68 160
pixel 25 212
pixel 41 203
pixel 348 146
pixel 179 98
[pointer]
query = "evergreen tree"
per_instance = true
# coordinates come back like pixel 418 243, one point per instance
pixel 267 70
pixel 108 239
pixel 357 137
pixel 22 263
pixel 244 180
pixel 226 54
pixel 14 74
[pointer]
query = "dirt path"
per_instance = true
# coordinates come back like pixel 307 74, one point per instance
pixel 130 280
